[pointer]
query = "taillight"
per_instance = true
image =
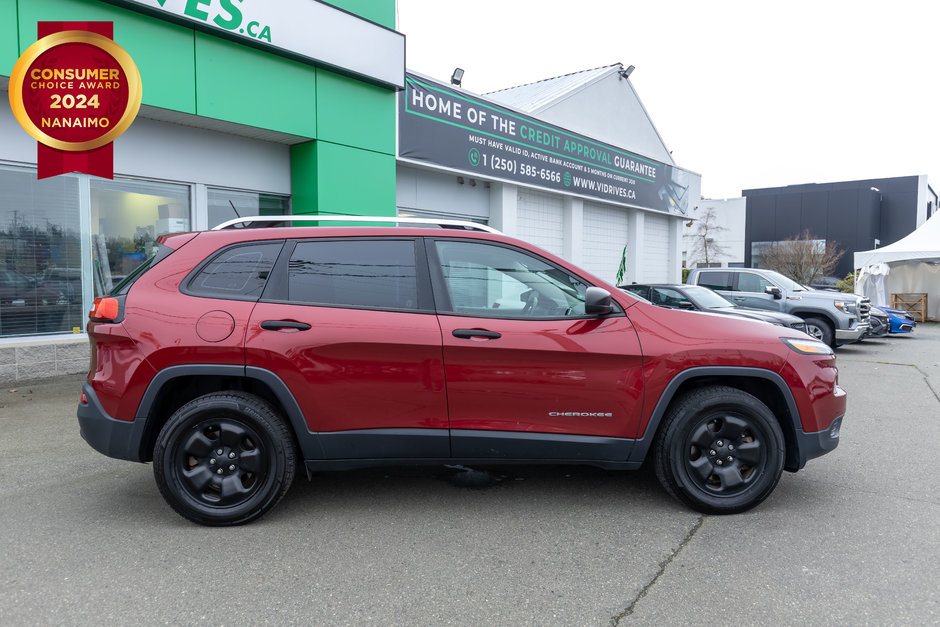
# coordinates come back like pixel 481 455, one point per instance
pixel 105 308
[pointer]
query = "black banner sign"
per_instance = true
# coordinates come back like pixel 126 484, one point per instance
pixel 450 128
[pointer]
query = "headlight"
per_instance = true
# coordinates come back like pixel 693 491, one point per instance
pixel 807 346
pixel 846 306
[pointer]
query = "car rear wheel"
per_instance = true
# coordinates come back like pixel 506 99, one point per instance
pixel 720 450
pixel 225 458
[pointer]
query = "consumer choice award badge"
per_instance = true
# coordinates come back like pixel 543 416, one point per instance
pixel 75 91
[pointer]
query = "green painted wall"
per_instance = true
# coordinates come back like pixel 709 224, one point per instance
pixel 9 48
pixel 303 176
pixel 162 51
pixel 248 86
pixel 354 113
pixel 351 166
pixel 379 11
pixel 330 178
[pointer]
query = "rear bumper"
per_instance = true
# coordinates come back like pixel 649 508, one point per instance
pixel 115 438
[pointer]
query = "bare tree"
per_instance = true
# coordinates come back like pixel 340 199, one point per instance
pixel 703 243
pixel 803 259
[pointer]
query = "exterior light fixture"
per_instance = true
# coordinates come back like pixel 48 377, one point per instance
pixel 457 77
pixel 627 72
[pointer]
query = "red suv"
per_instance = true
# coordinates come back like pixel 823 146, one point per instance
pixel 234 355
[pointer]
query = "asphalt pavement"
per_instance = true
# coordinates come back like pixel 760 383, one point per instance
pixel 854 538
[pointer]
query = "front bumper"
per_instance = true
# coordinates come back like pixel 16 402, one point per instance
pixel 120 439
pixel 812 445
pixel 845 336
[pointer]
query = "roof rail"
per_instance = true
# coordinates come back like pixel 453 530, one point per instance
pixel 444 224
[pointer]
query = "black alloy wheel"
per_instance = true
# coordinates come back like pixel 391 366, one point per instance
pixel 720 450
pixel 224 458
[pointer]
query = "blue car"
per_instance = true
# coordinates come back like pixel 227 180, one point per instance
pixel 900 321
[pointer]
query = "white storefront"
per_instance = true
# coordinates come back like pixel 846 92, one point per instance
pixel 497 159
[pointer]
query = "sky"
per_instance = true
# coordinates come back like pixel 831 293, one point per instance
pixel 748 94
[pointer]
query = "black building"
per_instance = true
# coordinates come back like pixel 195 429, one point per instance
pixel 857 215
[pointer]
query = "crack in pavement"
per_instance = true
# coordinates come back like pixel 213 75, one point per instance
pixel 662 569
pixel 923 373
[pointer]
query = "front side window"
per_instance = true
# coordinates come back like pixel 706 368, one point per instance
pixel 668 297
pixel 238 273
pixel 489 280
pixel 749 282
pixel 379 274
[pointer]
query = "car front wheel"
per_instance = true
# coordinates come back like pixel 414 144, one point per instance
pixel 821 330
pixel 720 450
pixel 225 458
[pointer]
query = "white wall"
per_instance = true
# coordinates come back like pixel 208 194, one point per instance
pixel 160 150
pixel 609 110
pixel 731 214
pixel 441 192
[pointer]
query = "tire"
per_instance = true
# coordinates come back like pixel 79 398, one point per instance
pixel 821 330
pixel 224 459
pixel 719 451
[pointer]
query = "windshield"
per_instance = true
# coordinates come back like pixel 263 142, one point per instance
pixel 784 282
pixel 705 298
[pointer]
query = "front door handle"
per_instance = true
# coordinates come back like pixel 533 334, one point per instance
pixel 277 325
pixel 471 333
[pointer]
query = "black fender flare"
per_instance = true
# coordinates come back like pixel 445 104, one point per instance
pixel 308 441
pixel 790 424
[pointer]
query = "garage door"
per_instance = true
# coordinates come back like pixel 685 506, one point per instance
pixel 605 235
pixel 540 220
pixel 655 261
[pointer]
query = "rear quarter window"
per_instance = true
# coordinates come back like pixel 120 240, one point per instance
pixel 237 273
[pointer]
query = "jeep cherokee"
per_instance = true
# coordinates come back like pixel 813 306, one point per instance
pixel 235 356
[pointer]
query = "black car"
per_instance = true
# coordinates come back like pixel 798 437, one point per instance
pixel 698 298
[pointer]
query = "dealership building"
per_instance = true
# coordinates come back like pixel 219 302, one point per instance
pixel 572 164
pixel 305 107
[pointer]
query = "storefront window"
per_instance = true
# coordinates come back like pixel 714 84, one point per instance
pixel 126 218
pixel 227 204
pixel 73 237
pixel 40 254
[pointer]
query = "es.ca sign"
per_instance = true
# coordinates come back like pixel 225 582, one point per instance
pixel 306 30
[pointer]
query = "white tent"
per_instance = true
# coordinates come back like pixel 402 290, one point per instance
pixel 908 266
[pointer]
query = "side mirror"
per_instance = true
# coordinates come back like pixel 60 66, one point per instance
pixel 597 302
pixel 774 290
pixel 685 304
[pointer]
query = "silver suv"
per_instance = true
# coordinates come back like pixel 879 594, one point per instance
pixel 832 317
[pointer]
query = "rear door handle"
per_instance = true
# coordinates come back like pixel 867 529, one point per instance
pixel 277 325
pixel 471 333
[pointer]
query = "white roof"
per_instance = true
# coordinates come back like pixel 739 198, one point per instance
pixel 533 97
pixel 923 243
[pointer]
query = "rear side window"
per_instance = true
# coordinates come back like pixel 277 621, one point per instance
pixel 237 273
pixel 379 274
pixel 715 280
